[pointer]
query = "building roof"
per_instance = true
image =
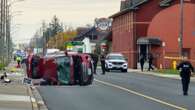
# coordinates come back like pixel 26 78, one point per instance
pixel 93 31
pixel 81 30
pixel 165 3
pixel 133 5
pixel 82 35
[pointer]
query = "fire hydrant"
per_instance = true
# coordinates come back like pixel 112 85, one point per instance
pixel 174 64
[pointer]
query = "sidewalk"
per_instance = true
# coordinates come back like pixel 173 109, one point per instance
pixel 158 74
pixel 15 95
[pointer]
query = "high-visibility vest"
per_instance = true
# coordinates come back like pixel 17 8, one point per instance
pixel 18 59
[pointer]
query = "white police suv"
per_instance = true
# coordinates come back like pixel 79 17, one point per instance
pixel 116 61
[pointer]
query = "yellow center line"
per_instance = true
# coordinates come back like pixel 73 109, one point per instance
pixel 142 95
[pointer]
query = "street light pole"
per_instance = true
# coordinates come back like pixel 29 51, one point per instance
pixel 9 16
pixel 181 28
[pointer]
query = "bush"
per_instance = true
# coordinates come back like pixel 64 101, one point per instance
pixel 1 66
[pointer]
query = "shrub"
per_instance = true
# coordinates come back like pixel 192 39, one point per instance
pixel 1 66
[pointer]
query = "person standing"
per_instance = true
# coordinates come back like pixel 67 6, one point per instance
pixel 150 61
pixel 185 74
pixel 29 62
pixel 102 59
pixel 142 61
pixel 18 59
pixel 14 57
pixel 95 61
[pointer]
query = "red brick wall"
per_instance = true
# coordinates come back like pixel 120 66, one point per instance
pixel 123 37
pixel 144 16
pixel 166 25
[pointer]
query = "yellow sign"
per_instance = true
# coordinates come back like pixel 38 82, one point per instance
pixel 69 47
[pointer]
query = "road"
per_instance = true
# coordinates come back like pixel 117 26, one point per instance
pixel 120 91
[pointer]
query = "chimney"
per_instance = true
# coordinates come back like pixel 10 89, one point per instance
pixel 123 5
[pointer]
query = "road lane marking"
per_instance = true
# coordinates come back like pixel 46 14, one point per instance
pixel 142 95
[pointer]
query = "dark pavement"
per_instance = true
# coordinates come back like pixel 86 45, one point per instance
pixel 124 91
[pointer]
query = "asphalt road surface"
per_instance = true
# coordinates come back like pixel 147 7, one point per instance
pixel 120 91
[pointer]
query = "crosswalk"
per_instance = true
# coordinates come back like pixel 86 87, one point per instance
pixel 14 98
pixel 6 97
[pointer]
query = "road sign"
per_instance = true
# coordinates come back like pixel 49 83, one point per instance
pixel 27 81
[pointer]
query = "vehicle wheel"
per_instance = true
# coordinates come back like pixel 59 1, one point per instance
pixel 124 70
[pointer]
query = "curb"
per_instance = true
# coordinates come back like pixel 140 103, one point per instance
pixel 38 99
pixel 32 99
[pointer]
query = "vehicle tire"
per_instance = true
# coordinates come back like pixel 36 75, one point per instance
pixel 124 70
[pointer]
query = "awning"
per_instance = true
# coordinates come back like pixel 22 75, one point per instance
pixel 149 41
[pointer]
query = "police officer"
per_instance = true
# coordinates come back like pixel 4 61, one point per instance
pixel 185 73
pixel 150 60
pixel 142 60
pixel 18 59
pixel 102 59
pixel 95 61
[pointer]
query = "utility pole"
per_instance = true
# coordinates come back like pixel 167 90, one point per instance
pixel 1 35
pixel 8 37
pixel 2 31
pixel 6 32
pixel 44 39
pixel 181 28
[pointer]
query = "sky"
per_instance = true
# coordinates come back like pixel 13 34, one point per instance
pixel 29 14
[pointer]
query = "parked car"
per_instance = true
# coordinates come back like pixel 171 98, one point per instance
pixel 116 61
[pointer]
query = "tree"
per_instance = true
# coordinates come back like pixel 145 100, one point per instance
pixel 55 26
pixel 53 35
pixel 59 40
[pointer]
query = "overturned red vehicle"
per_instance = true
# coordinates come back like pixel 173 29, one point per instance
pixel 62 69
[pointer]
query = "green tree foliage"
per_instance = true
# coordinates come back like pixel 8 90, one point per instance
pixel 46 32
pixel 55 26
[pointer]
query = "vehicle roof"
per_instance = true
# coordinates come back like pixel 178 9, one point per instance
pixel 115 54
pixel 55 54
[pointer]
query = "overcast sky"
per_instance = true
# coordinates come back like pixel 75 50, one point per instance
pixel 71 12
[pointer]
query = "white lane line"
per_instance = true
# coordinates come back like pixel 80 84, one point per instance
pixel 142 95
pixel 5 97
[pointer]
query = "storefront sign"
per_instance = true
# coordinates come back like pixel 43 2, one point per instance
pixel 103 24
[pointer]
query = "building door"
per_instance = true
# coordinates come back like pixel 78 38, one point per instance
pixel 143 49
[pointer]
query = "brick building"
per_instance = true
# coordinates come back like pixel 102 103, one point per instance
pixel 152 26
